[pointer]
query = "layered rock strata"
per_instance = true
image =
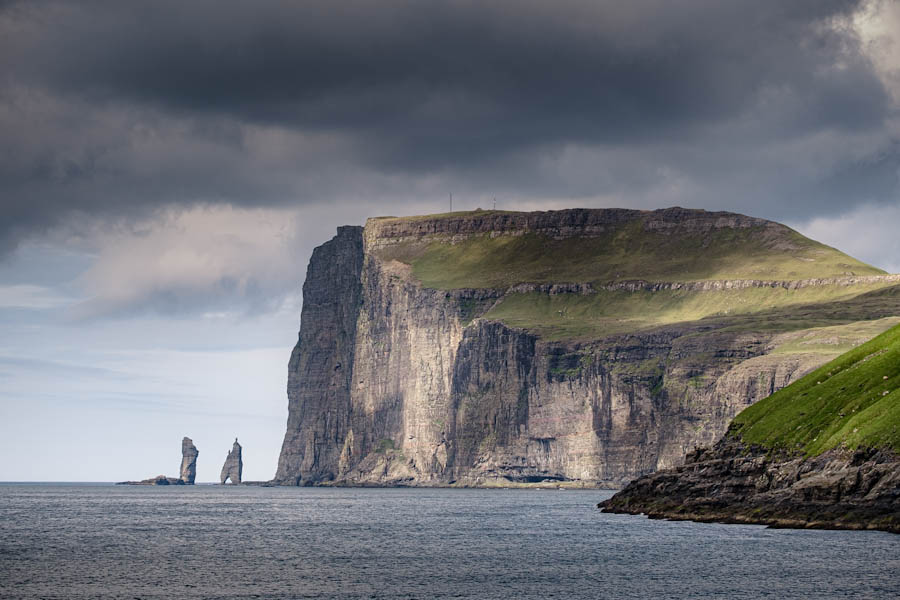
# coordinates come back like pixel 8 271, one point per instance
pixel 737 483
pixel 394 383
pixel 233 466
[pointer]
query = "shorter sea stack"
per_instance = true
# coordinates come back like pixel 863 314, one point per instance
pixel 823 453
pixel 233 465
pixel 189 455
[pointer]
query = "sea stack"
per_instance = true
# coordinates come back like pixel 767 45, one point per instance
pixel 188 461
pixel 233 465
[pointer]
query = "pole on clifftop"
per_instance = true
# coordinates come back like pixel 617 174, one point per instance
pixel 451 201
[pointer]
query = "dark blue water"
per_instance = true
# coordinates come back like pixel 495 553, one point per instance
pixel 245 542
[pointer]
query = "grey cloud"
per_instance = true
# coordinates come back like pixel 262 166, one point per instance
pixel 115 109
pixel 475 75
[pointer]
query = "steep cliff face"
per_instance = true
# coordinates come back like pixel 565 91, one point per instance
pixel 321 365
pixel 398 380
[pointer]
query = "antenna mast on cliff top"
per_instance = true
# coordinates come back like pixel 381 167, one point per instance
pixel 495 202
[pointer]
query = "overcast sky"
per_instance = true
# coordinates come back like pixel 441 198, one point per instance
pixel 166 169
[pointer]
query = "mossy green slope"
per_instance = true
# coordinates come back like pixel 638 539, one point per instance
pixel 609 312
pixel 638 249
pixel 852 401
pixel 627 252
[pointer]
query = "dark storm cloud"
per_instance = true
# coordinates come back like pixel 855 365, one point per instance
pixel 114 107
pixel 508 73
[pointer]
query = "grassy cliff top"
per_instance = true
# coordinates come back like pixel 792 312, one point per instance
pixel 496 249
pixel 608 247
pixel 852 401
pixel 774 309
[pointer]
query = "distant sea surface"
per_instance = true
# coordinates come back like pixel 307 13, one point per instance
pixel 91 541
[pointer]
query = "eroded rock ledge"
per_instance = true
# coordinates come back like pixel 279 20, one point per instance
pixel 737 483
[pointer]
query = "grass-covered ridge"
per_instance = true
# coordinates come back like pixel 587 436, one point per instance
pixel 574 316
pixel 625 252
pixel 852 401
pixel 604 248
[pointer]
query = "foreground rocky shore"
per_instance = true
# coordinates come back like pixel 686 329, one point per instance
pixel 734 482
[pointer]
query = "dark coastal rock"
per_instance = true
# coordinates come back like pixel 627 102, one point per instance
pixel 189 455
pixel 158 480
pixel 736 483
pixel 233 465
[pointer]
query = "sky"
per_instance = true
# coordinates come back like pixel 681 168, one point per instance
pixel 166 169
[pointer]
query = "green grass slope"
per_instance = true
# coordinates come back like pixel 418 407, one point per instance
pixel 640 248
pixel 852 401
pixel 628 252
pixel 575 316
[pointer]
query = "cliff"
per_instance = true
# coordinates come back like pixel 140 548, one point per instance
pixel 823 452
pixel 234 465
pixel 578 347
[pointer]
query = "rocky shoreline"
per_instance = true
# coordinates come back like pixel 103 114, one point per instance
pixel 738 483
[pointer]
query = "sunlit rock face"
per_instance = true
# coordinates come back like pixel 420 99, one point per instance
pixel 395 381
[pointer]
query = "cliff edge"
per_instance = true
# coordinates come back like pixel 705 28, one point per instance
pixel 582 347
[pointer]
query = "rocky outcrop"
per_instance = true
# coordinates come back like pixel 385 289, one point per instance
pixel 233 466
pixel 737 483
pixel 158 480
pixel 189 455
pixel 393 383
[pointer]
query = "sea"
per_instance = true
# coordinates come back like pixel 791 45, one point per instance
pixel 77 541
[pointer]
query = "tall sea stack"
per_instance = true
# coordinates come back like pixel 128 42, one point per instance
pixel 574 347
pixel 189 455
pixel 233 466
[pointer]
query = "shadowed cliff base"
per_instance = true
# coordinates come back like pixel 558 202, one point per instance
pixel 822 453
pixel 450 350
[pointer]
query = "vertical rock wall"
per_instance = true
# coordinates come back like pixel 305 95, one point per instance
pixel 395 384
pixel 320 368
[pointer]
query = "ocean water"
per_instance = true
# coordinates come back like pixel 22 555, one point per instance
pixel 79 541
